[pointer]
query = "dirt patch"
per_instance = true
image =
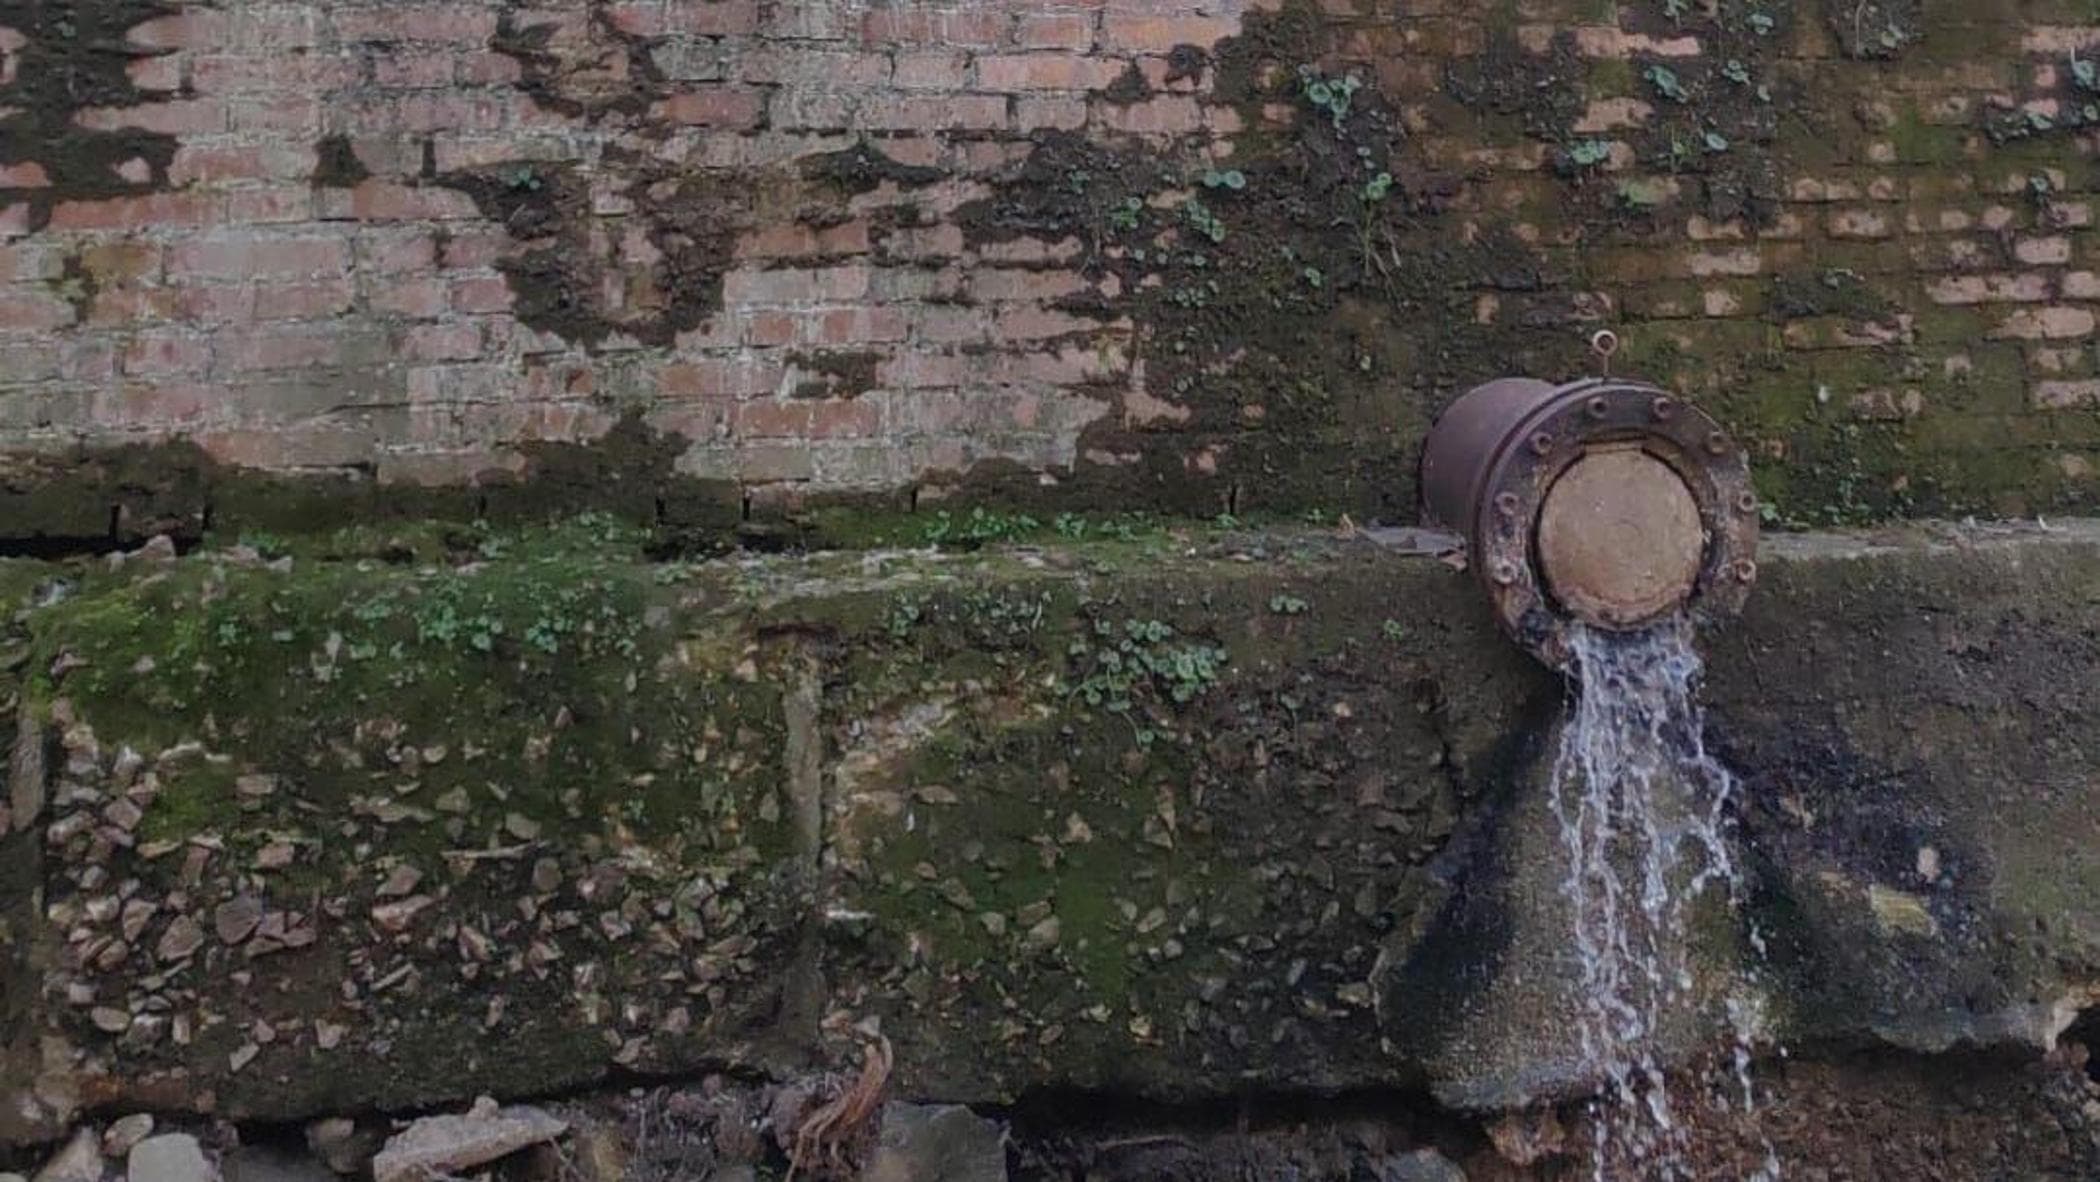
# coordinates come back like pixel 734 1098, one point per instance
pixel 99 499
pixel 834 374
pixel 336 165
pixel 863 169
pixel 1315 294
pixel 1834 292
pixel 1875 29
pixel 591 73
pixel 76 58
pixel 561 279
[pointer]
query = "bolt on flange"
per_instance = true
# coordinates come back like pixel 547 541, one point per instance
pixel 1606 501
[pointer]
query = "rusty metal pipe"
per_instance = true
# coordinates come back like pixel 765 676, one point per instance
pixel 1604 501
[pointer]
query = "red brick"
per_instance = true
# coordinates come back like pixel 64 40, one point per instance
pixel 2066 395
pixel 446 24
pixel 1036 114
pixel 304 301
pixel 276 113
pixel 159 354
pixel 982 26
pixel 273 205
pixel 404 70
pixel 937 70
pixel 158 75
pixel 214 165
pixel 858 326
pixel 948 113
pixel 1055 30
pixel 1008 284
pixel 476 297
pixel 28 175
pixel 812 20
pixel 1167 114
pixel 276 348
pixel 390 251
pixel 386 201
pixel 241 258
pixel 1989 289
pixel 834 284
pixel 1138 33
pixel 274 29
pixel 844 418
pixel 155 404
pixel 178 117
pixel 1029 324
pixel 33 310
pixel 442 342
pixel 769 418
pixel 1609 41
pixel 28 262
pixel 193 28
pixel 736 107
pixel 1045 71
pixel 725 18
pixel 220 303
pixel 2043 252
pixel 1859 223
pixel 2052 323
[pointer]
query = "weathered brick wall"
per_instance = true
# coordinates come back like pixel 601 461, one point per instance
pixel 1139 252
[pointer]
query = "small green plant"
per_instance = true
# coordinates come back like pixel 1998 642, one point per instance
pixel 1392 630
pixel 1123 219
pixel 1332 95
pixel 1231 178
pixel 1315 278
pixel 1736 72
pixel 1203 221
pixel 266 544
pixel 1287 605
pixel 904 616
pixel 1120 667
pixel 1715 141
pixel 1588 153
pixel 1675 9
pixel 1761 23
pixel 2085 73
pixel 1378 188
pixel 978 527
pixel 1667 83
pixel 524 180
pixel 1641 194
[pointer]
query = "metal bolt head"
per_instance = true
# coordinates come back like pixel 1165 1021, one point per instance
pixel 1717 444
pixel 1504 572
pixel 1747 503
pixel 1598 407
pixel 1507 504
pixel 1541 444
pixel 1662 409
pixel 1746 571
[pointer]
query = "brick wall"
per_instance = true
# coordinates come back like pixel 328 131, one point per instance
pixel 1129 252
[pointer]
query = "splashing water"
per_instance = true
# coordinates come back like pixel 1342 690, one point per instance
pixel 1643 810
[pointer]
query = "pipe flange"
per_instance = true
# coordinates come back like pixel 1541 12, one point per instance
pixel 1607 501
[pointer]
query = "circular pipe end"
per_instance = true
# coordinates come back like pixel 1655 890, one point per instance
pixel 1608 503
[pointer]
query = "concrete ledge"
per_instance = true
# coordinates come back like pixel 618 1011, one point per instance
pixel 1181 816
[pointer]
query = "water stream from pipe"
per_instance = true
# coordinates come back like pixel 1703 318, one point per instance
pixel 1644 811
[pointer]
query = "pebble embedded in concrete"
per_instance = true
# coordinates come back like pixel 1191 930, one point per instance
pixel 937 1143
pixel 170 1157
pixel 79 1161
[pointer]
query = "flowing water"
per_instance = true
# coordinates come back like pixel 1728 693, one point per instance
pixel 1644 814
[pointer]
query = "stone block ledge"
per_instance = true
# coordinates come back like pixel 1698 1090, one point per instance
pixel 1187 815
